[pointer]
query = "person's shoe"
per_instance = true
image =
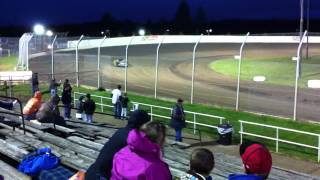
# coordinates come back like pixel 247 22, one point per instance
pixel 14 102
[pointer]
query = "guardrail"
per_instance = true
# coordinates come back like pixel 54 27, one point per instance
pixel 277 138
pixel 153 107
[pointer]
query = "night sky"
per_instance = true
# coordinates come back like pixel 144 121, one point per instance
pixel 28 12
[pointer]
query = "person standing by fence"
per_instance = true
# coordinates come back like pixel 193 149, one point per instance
pixel 79 114
pixel 116 93
pixel 89 107
pixel 35 83
pixel 66 99
pixel 178 119
pixel 124 104
pixel 53 87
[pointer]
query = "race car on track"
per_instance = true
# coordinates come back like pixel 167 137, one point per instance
pixel 119 62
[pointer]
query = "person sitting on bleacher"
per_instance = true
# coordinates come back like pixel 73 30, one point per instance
pixel 257 162
pixel 101 168
pixel 142 157
pixel 201 164
pixel 32 106
pixel 49 112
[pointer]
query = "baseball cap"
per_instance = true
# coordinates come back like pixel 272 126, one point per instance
pixel 257 160
pixel 180 100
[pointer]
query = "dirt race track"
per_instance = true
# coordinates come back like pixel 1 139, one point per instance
pixel 175 70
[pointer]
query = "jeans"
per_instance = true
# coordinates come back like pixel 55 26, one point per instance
pixel 67 110
pixel 34 89
pixel 53 92
pixel 178 134
pixel 30 116
pixel 117 110
pixel 89 118
pixel 124 113
pixel 6 105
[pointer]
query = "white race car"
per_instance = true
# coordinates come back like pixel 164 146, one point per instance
pixel 120 63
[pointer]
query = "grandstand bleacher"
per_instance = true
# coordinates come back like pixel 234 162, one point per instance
pixel 78 144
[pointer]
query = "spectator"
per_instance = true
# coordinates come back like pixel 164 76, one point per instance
pixel 33 105
pixel 124 104
pixel 66 99
pixel 8 105
pixel 103 164
pixel 257 162
pixel 116 93
pixel 53 87
pixel 49 112
pixel 201 164
pixel 178 119
pixel 142 157
pixel 79 114
pixel 89 107
pixel 35 83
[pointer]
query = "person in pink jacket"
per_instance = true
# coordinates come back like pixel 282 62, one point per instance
pixel 142 159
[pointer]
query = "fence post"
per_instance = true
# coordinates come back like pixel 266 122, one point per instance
pixel 151 110
pixel 101 102
pixel 297 76
pixel 157 66
pixel 126 67
pixel 77 59
pixel 241 130
pixel 74 99
pixel 99 56
pixel 319 149
pixel 220 120
pixel 52 56
pixel 277 143
pixel 194 123
pixel 239 69
pixel 193 68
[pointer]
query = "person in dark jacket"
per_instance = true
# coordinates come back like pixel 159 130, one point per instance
pixel 79 114
pixel 66 99
pixel 103 165
pixel 53 87
pixel 178 119
pixel 124 104
pixel 89 107
pixel 35 83
pixel 49 112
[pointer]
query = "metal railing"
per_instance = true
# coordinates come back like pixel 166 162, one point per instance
pixel 277 138
pixel 152 109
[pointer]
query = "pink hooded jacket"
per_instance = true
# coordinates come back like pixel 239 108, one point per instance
pixel 141 159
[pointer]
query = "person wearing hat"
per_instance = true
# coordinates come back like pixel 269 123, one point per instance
pixel 102 167
pixel 178 119
pixel 257 162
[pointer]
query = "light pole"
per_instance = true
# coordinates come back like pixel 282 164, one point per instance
pixel 209 31
pixel 301 18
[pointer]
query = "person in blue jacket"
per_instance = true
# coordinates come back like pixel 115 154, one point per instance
pixel 178 121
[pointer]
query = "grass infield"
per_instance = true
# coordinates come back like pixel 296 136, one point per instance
pixel 8 63
pixel 279 71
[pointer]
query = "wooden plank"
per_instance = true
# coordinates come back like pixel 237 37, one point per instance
pixel 9 172
pixel 85 143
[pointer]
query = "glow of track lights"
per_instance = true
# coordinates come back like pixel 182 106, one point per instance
pixel 49 33
pixel 38 29
pixel 142 32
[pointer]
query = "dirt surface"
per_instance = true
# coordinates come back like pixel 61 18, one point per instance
pixel 174 76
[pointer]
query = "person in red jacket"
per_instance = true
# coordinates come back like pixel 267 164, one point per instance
pixel 32 106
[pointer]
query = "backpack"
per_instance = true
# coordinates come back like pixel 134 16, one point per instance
pixel 34 162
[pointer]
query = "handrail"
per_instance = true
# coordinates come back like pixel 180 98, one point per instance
pixel 15 114
pixel 277 138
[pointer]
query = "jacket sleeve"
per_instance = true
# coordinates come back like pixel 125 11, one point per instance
pixel 158 171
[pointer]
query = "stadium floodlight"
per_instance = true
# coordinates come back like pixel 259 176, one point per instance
pixel 38 29
pixel 49 33
pixel 142 32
